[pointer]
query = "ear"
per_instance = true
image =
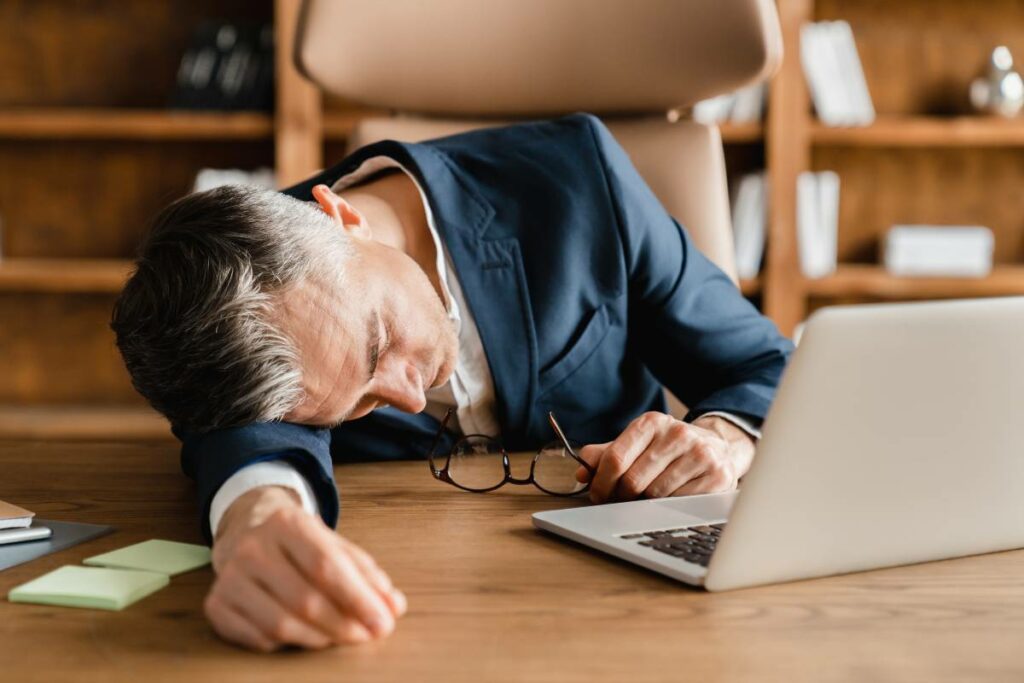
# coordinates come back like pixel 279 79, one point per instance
pixel 343 213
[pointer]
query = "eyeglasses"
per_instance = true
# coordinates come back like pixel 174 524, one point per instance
pixel 480 463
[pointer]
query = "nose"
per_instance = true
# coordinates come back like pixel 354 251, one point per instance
pixel 401 385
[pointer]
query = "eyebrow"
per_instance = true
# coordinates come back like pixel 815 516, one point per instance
pixel 373 328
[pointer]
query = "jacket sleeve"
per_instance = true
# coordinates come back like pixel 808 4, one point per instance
pixel 696 333
pixel 211 458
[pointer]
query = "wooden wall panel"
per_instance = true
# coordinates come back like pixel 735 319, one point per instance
pixel 920 55
pixel 95 198
pixel 102 52
pixel 59 349
pixel 881 187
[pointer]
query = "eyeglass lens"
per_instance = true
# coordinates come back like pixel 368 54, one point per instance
pixel 554 470
pixel 477 463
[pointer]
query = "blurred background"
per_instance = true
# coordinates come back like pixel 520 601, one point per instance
pixel 884 161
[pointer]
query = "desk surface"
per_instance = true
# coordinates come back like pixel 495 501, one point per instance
pixel 490 598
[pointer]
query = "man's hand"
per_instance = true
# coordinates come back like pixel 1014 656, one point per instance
pixel 285 578
pixel 658 456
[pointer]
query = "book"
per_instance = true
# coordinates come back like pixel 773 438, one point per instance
pixel 817 199
pixel 853 72
pixel 745 105
pixel 939 250
pixel 14 517
pixel 835 74
pixel 749 214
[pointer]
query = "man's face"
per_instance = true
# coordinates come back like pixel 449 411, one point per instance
pixel 378 336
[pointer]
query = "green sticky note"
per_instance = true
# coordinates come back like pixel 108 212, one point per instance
pixel 72 586
pixel 166 557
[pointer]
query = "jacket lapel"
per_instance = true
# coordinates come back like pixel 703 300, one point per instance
pixel 494 283
pixel 490 271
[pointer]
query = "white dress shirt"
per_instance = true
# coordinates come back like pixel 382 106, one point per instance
pixel 470 391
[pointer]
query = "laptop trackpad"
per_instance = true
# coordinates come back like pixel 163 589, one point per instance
pixel 713 507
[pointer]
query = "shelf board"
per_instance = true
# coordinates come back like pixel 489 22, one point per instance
pixel 750 286
pixel 874 282
pixel 68 275
pixel 339 126
pixel 82 423
pixel 963 131
pixel 133 124
pixel 741 132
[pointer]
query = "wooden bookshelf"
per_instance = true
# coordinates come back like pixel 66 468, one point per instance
pixel 738 133
pixel 63 275
pixel 82 423
pixel 921 131
pixel 750 286
pixel 926 159
pixel 88 153
pixel 873 282
pixel 115 124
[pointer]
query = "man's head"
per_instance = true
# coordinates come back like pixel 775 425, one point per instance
pixel 248 305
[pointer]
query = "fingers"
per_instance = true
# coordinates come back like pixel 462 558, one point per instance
pixel 709 482
pixel 293 581
pixel 324 562
pixel 235 628
pixel 618 457
pixel 277 625
pixel 667 452
pixel 380 581
pixel 591 454
pixel 674 478
pixel 304 600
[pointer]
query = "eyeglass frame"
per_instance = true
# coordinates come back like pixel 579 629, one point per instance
pixel 443 475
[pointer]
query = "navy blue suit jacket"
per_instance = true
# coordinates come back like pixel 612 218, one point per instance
pixel 588 297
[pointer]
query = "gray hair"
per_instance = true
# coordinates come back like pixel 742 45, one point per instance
pixel 195 323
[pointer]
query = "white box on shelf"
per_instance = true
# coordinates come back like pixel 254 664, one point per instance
pixel 939 250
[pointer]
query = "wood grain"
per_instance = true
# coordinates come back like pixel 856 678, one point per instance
pixel 64 275
pixel 492 599
pixel 102 53
pixel 93 198
pixel 874 282
pixel 788 155
pixel 920 56
pixel 82 423
pixel 957 186
pixel 298 115
pixel 926 131
pixel 127 124
pixel 58 349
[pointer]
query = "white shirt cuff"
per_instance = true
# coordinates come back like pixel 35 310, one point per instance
pixel 269 473
pixel 743 424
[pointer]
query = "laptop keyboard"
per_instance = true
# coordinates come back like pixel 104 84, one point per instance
pixel 693 544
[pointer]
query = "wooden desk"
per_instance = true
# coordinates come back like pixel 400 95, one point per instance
pixel 491 599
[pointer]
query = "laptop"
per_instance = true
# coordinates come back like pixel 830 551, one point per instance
pixel 895 437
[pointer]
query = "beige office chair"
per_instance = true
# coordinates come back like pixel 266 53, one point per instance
pixel 446 66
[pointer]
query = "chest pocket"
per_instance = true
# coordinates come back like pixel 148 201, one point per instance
pixel 594 332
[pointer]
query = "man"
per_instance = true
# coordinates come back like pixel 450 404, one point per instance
pixel 503 273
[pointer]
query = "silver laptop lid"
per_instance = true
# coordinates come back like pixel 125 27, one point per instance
pixel 895 438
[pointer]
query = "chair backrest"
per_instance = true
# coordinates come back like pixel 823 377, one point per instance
pixel 682 162
pixel 468 63
pixel 451 65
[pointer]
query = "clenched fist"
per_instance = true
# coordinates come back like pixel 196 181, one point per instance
pixel 659 456
pixel 286 578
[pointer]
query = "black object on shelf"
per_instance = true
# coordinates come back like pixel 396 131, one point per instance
pixel 227 66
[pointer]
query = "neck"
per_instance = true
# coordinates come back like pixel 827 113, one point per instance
pixel 392 205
